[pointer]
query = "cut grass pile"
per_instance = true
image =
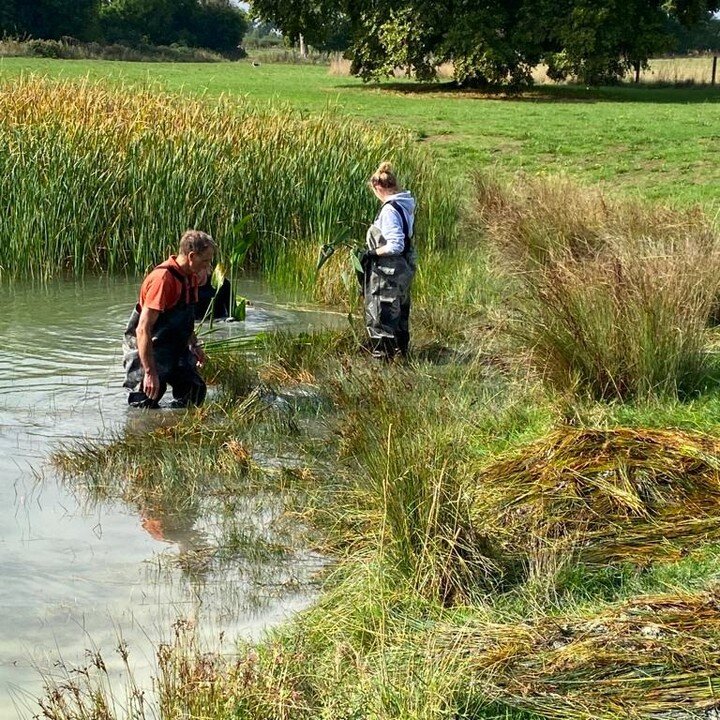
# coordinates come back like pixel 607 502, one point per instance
pixel 600 497
pixel 653 657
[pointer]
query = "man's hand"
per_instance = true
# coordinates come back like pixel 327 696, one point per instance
pixel 199 353
pixel 151 385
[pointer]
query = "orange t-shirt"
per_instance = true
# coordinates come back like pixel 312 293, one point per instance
pixel 161 290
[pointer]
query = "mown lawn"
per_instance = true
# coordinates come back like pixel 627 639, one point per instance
pixel 657 143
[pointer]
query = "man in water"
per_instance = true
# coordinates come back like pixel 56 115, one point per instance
pixel 160 347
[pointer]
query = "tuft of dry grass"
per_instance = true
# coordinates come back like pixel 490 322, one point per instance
pixel 613 298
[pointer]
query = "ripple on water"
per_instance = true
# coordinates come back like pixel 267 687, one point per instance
pixel 79 576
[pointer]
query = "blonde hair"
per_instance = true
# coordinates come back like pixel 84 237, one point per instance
pixel 384 176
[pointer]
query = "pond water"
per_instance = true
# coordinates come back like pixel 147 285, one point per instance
pixel 78 575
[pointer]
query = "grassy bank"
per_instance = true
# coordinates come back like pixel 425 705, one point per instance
pixel 512 536
pixel 650 142
pixel 489 560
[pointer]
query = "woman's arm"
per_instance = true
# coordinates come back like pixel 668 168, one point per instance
pixel 390 224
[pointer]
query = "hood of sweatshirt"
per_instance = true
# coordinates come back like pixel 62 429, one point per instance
pixel 405 200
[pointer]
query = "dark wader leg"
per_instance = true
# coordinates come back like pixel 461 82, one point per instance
pixel 188 387
pixel 403 332
pixel 387 306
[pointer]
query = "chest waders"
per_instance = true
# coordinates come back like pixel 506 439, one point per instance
pixel 175 363
pixel 386 292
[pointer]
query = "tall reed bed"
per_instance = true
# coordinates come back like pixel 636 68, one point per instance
pixel 106 179
pixel 613 298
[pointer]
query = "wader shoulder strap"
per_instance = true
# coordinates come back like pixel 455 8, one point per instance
pixel 405 225
pixel 186 295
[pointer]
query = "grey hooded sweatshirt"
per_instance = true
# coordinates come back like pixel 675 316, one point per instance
pixel 390 224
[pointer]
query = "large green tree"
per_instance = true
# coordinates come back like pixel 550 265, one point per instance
pixel 214 24
pixel 50 19
pixel 491 41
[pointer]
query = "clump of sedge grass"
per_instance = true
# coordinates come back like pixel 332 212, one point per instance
pixel 613 299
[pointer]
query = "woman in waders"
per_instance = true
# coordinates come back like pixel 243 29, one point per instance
pixel 389 267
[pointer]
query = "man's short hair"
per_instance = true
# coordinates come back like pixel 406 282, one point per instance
pixel 195 241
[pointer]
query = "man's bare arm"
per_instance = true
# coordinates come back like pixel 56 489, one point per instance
pixel 151 383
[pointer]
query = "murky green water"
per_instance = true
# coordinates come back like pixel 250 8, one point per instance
pixel 79 575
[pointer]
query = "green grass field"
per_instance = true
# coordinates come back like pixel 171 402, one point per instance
pixel 656 143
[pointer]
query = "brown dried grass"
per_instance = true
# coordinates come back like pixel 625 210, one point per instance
pixel 652 657
pixel 601 497
pixel 613 298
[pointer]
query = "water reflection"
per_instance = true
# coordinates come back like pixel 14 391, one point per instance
pixel 81 571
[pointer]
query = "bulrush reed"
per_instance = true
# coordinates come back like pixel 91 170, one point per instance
pixel 104 179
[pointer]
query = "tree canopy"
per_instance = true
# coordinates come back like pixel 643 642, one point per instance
pixel 50 19
pixel 214 24
pixel 492 41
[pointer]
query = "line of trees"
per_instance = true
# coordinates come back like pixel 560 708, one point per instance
pixel 213 24
pixel 493 41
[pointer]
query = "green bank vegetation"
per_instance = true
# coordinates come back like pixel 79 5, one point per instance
pixel 522 522
pixel 101 180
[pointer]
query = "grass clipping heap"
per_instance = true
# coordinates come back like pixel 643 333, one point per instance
pixel 596 497
pixel 652 657
pixel 601 496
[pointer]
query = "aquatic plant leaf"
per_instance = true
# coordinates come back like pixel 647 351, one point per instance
pixel 355 262
pixel 218 276
pixel 242 240
pixel 240 310
pixel 326 252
